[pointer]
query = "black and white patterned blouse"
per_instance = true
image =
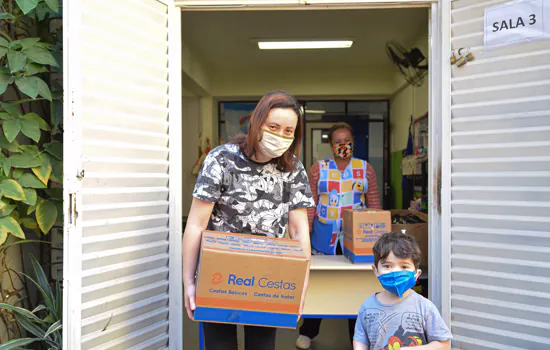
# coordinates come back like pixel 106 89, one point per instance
pixel 250 197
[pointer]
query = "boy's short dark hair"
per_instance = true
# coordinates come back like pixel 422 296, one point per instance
pixel 402 245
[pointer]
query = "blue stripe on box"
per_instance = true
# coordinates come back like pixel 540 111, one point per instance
pixel 358 258
pixel 253 318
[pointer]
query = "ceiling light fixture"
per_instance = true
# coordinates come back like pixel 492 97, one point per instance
pixel 303 45
pixel 315 111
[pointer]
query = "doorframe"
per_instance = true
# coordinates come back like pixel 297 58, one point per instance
pixel 175 301
pixel 439 173
pixel 439 111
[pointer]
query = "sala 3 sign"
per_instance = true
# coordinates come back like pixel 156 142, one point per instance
pixel 509 24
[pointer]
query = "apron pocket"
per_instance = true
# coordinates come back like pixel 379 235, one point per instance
pixel 321 237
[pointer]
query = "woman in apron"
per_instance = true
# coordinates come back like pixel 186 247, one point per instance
pixel 254 185
pixel 338 183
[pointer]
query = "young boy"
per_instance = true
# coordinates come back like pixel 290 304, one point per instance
pixel 398 318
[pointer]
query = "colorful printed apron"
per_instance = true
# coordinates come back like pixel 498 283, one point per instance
pixel 337 192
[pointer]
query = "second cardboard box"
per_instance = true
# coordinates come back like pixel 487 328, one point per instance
pixel 362 228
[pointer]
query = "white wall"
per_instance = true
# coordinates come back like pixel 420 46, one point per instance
pixel 190 142
pixel 407 101
pixel 305 82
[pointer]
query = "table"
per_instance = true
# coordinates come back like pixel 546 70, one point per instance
pixel 337 288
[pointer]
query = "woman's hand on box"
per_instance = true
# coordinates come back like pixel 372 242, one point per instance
pixel 189 292
pixel 196 222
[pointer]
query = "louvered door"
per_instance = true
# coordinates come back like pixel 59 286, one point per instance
pixel 500 189
pixel 122 260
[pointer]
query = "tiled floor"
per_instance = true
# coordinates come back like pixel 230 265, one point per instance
pixel 333 336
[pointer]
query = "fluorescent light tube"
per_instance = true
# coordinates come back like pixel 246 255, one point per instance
pixel 297 45
pixel 315 111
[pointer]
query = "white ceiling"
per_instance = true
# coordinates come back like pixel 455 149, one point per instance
pixel 222 39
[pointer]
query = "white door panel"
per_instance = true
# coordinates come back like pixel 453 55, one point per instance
pixel 122 281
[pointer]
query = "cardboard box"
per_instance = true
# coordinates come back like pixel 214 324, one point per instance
pixel 250 280
pixel 362 228
pixel 419 231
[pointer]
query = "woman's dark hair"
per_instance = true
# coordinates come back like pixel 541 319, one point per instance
pixel 249 143
pixel 338 126
pixel 402 245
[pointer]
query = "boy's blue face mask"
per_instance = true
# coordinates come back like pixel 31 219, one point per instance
pixel 398 282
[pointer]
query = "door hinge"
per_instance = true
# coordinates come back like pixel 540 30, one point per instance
pixel 72 102
pixel 73 213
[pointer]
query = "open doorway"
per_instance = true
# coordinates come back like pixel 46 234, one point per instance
pixel 226 68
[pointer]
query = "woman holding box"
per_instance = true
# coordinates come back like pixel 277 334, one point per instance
pixel 338 183
pixel 254 185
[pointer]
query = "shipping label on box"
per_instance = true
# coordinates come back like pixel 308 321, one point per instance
pixel 250 280
pixel 362 228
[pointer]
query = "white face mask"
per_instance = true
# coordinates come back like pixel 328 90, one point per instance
pixel 273 145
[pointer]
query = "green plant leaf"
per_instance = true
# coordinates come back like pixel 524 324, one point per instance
pixel 28 86
pixel 17 173
pixel 9 146
pixel 24 44
pixel 30 326
pixel 11 108
pixel 46 215
pixel 31 210
pixel 38 308
pixel 59 206
pixel 53 328
pixel 53 4
pixel 27 5
pixel 56 111
pixel 9 225
pixel 29 223
pixel 31 129
pixel 27 43
pixel 58 300
pixel 11 129
pixel 55 149
pixel 46 293
pixel 6 116
pixel 12 189
pixel 6 15
pixel 15 214
pixel 30 149
pixel 44 90
pixel 41 122
pixel 42 10
pixel 6 164
pixel 31 197
pixel 17 343
pixel 7 210
pixel 25 160
pixel 16 60
pixel 43 285
pixel 4 42
pixel 33 68
pixel 4 79
pixel 44 171
pixel 30 181
pixel 40 55
pixel 55 193
pixel 57 170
